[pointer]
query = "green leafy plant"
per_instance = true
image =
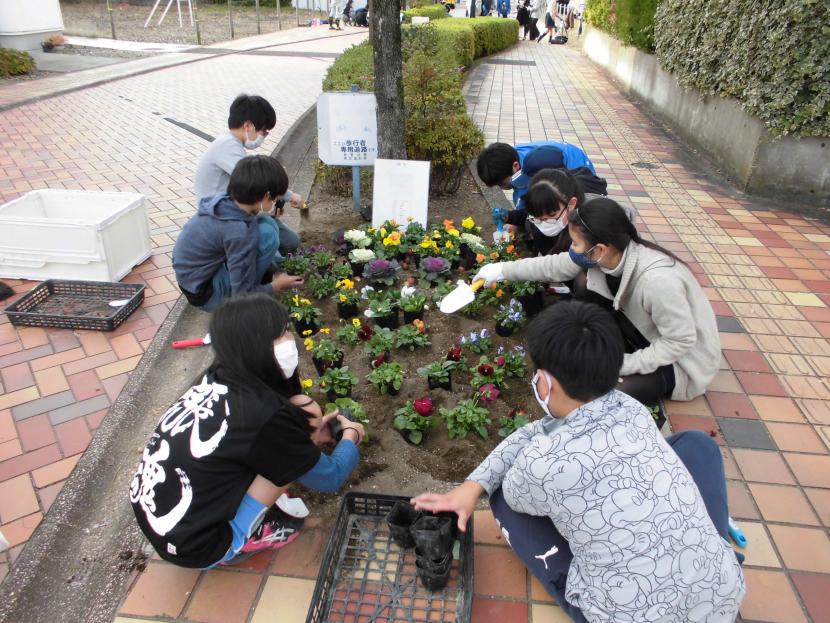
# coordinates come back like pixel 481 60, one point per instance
pixel 478 342
pixel 513 422
pixel 303 310
pixel 513 361
pixel 380 342
pixel 382 306
pixel 338 380
pixel 322 286
pixel 409 336
pixel 511 316
pixel 342 270
pixel 438 371
pixel 464 417
pixel 524 288
pixel 15 62
pixel 322 259
pixel 347 334
pixel 441 290
pixel 326 350
pixel 416 425
pixel 386 376
pixel 296 264
pixel 346 293
pixel 492 296
pixel 487 371
pixel 356 409
pixel 414 302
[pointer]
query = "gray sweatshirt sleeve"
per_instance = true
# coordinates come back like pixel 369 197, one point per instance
pixel 492 470
pixel 557 267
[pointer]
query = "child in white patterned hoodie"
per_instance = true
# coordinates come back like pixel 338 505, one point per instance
pixel 616 522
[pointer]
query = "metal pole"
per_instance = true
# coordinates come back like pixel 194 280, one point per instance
pixel 355 175
pixel 112 19
pixel 196 17
pixel 279 16
pixel 230 16
pixel 258 28
pixel 297 11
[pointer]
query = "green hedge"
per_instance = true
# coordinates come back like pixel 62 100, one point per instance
pixel 433 12
pixel 490 35
pixel 771 55
pixel 15 62
pixel 630 21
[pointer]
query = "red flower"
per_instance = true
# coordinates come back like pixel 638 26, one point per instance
pixel 365 333
pixel 499 361
pixel 454 353
pixel 379 360
pixel 326 365
pixel 485 369
pixel 516 411
pixel 423 406
pixel 488 392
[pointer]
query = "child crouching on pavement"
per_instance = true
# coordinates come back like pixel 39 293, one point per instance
pixel 221 456
pixel 616 522
pixel 231 243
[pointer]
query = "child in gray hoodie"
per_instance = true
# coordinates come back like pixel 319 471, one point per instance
pixel 227 247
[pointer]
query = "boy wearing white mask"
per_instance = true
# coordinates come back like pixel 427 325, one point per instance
pixel 616 522
pixel 250 119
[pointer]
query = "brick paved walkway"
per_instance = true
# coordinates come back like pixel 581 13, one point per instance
pixel 57 385
pixel 768 276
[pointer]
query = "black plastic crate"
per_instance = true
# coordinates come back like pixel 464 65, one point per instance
pixel 366 578
pixel 76 305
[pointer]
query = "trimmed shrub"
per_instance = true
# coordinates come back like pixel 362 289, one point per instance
pixel 630 21
pixel 600 14
pixel 433 12
pixel 354 66
pixel 771 55
pixel 15 62
pixel 489 36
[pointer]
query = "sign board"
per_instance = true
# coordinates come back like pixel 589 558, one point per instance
pixel 347 129
pixel 401 190
pixel 419 19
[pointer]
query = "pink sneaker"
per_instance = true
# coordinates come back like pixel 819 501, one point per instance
pixel 277 530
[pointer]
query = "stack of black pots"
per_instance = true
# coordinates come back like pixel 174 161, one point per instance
pixel 431 535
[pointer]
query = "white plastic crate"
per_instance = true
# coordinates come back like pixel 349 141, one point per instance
pixel 73 234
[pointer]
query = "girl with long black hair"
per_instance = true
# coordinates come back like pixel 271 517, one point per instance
pixel 666 319
pixel 222 455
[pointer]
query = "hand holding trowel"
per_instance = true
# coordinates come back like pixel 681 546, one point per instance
pixel 463 295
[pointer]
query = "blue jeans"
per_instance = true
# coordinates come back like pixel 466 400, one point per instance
pixel 289 240
pixel 267 254
pixel 530 536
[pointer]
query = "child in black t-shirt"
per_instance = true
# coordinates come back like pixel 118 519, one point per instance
pixel 222 455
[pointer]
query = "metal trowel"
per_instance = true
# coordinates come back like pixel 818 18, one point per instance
pixel 463 295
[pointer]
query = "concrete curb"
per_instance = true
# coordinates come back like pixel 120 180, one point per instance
pixel 70 570
pixel 139 71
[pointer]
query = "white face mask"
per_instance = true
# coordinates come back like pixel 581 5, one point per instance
pixel 542 403
pixel 253 144
pixel 550 228
pixel 287 357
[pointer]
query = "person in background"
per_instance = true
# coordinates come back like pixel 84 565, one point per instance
pixel 668 323
pixel 334 15
pixel 550 22
pixel 533 22
pixel 523 17
pixel 616 522
pixel 229 245
pixel 250 120
pixel 220 457
pixel 504 8
pixel 506 166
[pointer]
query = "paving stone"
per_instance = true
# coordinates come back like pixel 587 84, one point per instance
pixel 814 590
pixel 729 324
pixel 78 409
pixel 223 597
pixel 161 590
pixel 288 596
pixel 42 405
pixel 17 499
pixel 746 434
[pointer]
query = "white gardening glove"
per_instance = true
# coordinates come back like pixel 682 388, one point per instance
pixel 491 273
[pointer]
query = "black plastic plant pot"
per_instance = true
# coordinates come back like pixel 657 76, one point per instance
pixel 392 391
pixel 332 395
pixel 357 267
pixel 532 303
pixel 302 326
pixel 433 535
pixel 433 384
pixel 392 321
pixel 405 433
pixel 408 317
pixel 433 580
pixel 503 331
pixel 468 257
pixel 347 310
pixel 400 520
pixel 437 565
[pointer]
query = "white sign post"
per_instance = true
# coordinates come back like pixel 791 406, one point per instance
pixel 401 191
pixel 347 131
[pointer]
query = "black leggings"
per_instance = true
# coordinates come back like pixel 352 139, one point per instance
pixel 645 388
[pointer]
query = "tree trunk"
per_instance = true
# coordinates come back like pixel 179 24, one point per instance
pixel 386 46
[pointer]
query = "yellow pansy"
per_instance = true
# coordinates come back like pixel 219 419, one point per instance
pixel 454 232
pixel 306 383
pixel 307 332
pixel 343 298
pixel 383 232
pixel 468 223
pixel 305 302
pixel 449 245
pixel 436 234
pixel 393 239
pixel 371 230
pixel 345 284
pixel 308 343
pixel 356 322
pixel 325 331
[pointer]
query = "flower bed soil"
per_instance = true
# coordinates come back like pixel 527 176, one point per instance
pixel 388 463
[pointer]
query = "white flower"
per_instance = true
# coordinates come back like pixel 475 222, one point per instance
pixel 474 242
pixel 357 237
pixel 361 255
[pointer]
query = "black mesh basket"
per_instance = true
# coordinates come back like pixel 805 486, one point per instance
pixel 76 305
pixel 366 578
